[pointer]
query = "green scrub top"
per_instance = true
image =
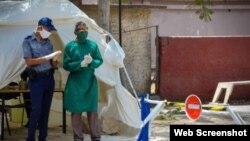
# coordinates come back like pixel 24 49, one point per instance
pixel 81 90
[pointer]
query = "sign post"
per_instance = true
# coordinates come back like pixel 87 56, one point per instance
pixel 193 107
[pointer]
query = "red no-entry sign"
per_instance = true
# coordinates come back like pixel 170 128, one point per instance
pixel 193 107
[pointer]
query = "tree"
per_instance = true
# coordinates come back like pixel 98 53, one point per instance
pixel 204 12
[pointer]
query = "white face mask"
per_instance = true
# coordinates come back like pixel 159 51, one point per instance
pixel 44 34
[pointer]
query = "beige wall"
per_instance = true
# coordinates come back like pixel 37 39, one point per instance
pixel 136 44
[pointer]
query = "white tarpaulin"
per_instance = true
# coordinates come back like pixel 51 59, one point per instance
pixel 19 18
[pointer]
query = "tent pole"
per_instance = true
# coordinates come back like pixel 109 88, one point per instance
pixel 120 37
pixel 120 23
pixel 131 85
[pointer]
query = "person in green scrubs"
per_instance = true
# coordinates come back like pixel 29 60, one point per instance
pixel 81 58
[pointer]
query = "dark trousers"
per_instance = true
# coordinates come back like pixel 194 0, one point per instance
pixel 77 123
pixel 27 101
pixel 41 93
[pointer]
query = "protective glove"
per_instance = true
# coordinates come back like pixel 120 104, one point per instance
pixel 52 55
pixel 83 63
pixel 88 59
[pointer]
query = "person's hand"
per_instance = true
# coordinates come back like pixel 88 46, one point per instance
pixel 52 55
pixel 88 59
pixel 83 63
pixel 55 63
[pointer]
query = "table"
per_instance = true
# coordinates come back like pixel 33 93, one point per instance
pixel 11 91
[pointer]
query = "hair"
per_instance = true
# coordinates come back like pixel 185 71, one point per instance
pixel 78 24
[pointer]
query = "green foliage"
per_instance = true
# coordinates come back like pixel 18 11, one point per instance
pixel 198 2
pixel 170 115
pixel 204 12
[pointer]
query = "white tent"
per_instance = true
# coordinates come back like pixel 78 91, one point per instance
pixel 118 108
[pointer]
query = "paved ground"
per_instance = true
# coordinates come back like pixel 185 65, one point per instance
pixel 160 128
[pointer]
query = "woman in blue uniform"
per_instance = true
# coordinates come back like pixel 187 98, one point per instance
pixel 38 55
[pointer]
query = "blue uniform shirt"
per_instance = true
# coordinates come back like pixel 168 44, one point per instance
pixel 35 49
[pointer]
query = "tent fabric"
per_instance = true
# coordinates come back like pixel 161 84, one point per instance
pixel 19 18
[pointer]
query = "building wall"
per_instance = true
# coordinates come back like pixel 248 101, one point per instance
pixel 173 20
pixel 184 22
pixel 178 21
pixel 195 65
pixel 136 44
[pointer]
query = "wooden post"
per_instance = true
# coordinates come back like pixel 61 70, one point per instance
pixel 103 13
